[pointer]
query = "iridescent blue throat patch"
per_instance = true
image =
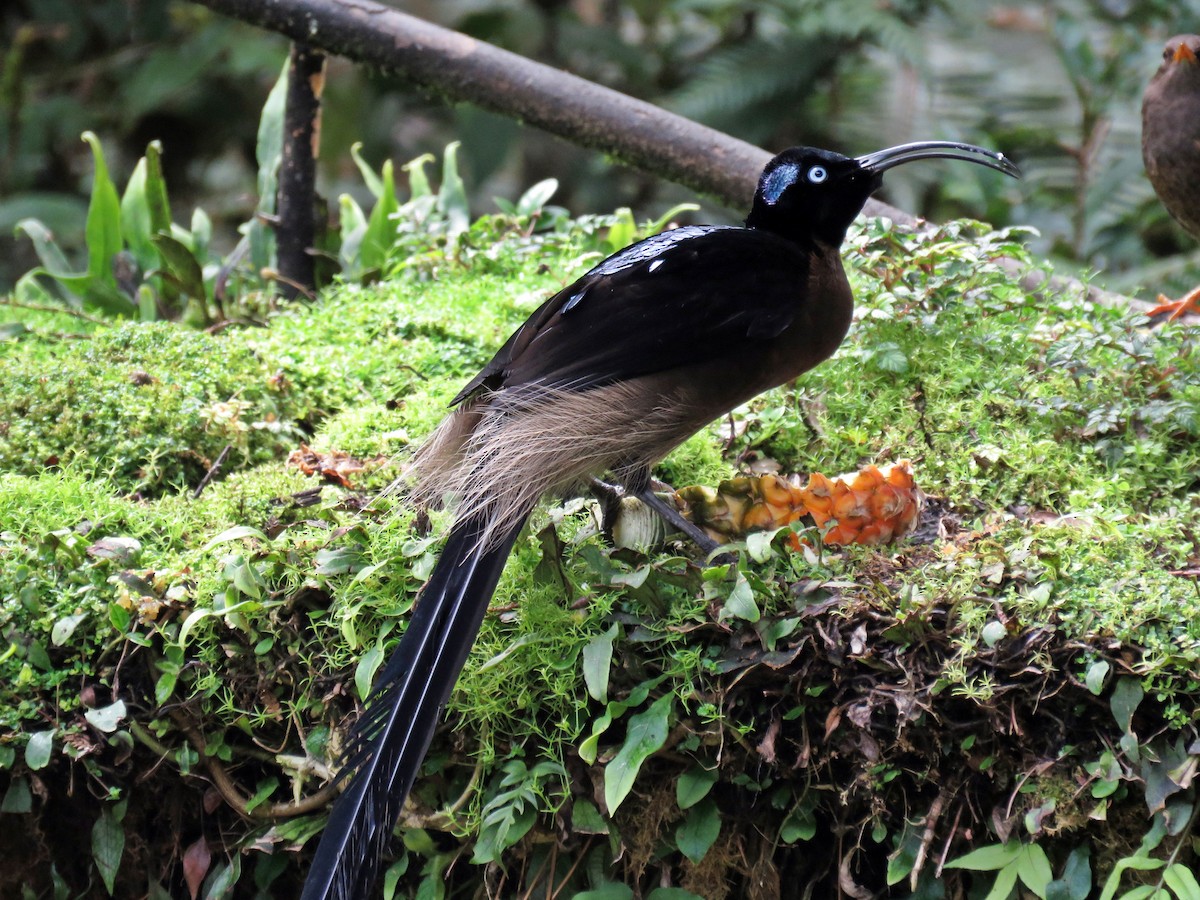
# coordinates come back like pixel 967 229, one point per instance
pixel 779 181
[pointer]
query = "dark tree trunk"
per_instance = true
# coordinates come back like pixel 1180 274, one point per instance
pixel 296 208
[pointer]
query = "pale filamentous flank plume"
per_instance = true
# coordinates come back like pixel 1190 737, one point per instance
pixel 501 451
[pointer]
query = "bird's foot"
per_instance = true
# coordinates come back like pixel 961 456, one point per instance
pixel 1189 304
pixel 610 499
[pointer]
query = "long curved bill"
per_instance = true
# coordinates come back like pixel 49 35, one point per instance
pixel 882 160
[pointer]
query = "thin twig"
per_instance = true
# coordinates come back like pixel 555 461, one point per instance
pixel 273 275
pixel 580 857
pixel 230 793
pixel 211 473
pixel 931 820
pixel 65 310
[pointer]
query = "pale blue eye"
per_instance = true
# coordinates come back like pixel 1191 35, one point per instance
pixel 817 174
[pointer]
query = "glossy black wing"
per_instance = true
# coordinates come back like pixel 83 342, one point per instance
pixel 659 304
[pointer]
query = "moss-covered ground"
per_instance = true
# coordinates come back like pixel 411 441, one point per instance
pixel 1005 701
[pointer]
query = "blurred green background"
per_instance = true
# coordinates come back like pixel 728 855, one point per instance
pixel 1057 86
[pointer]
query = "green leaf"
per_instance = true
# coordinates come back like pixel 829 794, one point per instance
pixel 145 210
pixel 198 615
pixel 418 181
pixel 54 264
pixel 265 789
pixel 586 818
pixel 615 709
pixel 65 627
pixel 157 203
pixel 622 232
pixel 106 718
pixel 634 579
pixel 201 234
pixel 536 197
pixel 1182 881
pixel 1033 868
pixel 103 228
pixel 801 825
pixel 452 197
pixel 986 859
pixel 509 649
pixel 108 843
pixel 672 893
pixel 694 785
pixel 380 235
pixel 164 687
pixel 1096 673
pixel 740 602
pixel 353 226
pixel 669 216
pixel 268 149
pixel 221 881
pixel 338 561
pixel 993 632
pixel 37 751
pixel 1126 695
pixel 889 357
pixel 364 672
pixel 182 267
pixel 10 331
pixel 244 576
pixel 597 659
pixel 391 878
pixel 236 533
pixel 1006 880
pixel 52 258
pixel 1077 873
pixel 647 733
pixel 135 219
pixel 1140 863
pixel 699 830
pixel 370 178
pixel 18 798
pixel 268 152
pixel 758 545
pixel 1163 775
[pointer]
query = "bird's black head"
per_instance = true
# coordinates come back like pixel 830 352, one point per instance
pixel 811 195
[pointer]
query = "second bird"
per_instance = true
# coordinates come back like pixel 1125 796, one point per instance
pixel 608 375
pixel 1171 145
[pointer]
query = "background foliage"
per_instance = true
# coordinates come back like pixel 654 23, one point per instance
pixel 1013 691
pixel 1057 85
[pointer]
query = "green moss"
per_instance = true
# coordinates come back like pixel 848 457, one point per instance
pixel 1057 440
pixel 150 407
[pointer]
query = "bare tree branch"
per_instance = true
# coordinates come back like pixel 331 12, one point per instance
pixel 461 68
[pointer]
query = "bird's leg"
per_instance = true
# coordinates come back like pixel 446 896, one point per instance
pixel 641 487
pixel 609 496
pixel 1189 304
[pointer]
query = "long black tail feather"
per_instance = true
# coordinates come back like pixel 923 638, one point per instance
pixel 390 740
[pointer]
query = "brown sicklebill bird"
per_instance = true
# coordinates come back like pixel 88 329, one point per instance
pixel 1171 145
pixel 608 375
